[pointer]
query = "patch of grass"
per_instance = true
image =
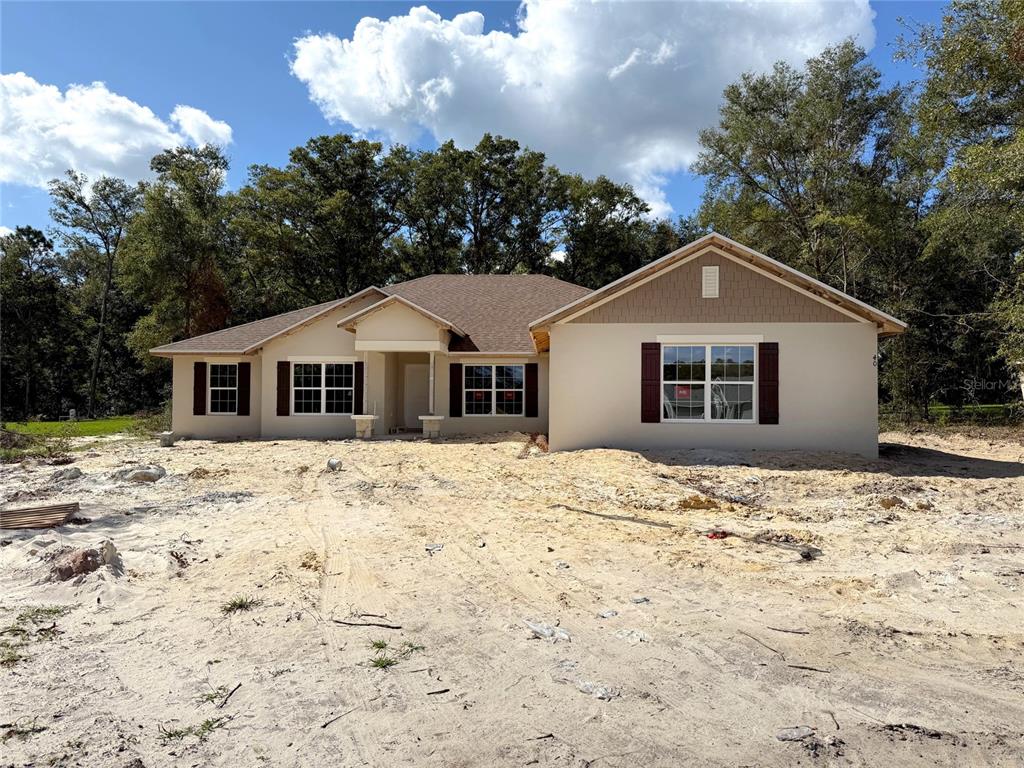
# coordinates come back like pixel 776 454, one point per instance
pixel 240 603
pixel 381 659
pixel 42 613
pixel 215 695
pixel 201 732
pixel 82 428
pixel 21 729
pixel 311 561
pixel 26 628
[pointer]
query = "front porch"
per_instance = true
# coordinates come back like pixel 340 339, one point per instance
pixel 401 391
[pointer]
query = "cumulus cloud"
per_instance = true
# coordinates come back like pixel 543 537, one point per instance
pixel 5 231
pixel 619 88
pixel 44 131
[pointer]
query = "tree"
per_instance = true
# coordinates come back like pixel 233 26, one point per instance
pixel 178 254
pixel 320 228
pixel 40 327
pixel 604 232
pixel 94 220
pixel 972 105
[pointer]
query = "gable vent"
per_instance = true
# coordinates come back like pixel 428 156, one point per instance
pixel 709 282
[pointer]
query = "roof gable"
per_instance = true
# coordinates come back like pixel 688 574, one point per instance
pixel 745 295
pixel 794 279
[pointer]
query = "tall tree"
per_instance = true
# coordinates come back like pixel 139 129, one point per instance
pixel 319 228
pixel 972 104
pixel 40 327
pixel 178 254
pixel 93 219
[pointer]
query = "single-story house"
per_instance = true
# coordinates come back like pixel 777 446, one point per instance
pixel 712 346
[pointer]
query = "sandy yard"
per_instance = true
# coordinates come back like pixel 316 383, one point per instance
pixel 896 634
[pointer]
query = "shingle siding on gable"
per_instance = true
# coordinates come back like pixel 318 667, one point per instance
pixel 744 296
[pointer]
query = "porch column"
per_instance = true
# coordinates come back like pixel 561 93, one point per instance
pixel 431 397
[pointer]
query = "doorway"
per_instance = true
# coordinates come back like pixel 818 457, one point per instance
pixel 416 393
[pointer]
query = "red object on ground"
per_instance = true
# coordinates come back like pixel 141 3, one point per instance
pixel 718 534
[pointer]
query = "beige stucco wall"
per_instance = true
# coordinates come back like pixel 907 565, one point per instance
pixel 477 425
pixel 321 338
pixel 212 426
pixel 397 322
pixel 827 388
pixel 745 296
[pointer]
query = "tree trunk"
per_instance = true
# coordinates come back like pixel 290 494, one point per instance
pixel 94 374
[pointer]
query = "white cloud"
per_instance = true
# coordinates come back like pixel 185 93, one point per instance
pixel 619 88
pixel 200 127
pixel 44 132
pixel 5 231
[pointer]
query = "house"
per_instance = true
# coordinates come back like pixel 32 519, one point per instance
pixel 712 346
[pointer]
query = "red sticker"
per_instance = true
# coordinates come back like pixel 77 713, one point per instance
pixel 682 391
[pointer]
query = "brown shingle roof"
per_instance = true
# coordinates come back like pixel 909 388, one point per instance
pixel 493 310
pixel 248 337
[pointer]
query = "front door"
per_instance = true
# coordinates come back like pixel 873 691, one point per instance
pixel 417 396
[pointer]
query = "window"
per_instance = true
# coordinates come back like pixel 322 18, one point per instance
pixel 494 390
pixel 708 382
pixel 323 387
pixel 224 388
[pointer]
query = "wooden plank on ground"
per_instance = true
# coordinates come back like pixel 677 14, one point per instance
pixel 47 516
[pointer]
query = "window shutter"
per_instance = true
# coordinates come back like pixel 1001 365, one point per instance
pixel 284 388
pixel 454 389
pixel 244 373
pixel 650 382
pixel 530 406
pixel 357 389
pixel 768 382
pixel 199 389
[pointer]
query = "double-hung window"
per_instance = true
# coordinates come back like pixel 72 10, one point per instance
pixel 223 388
pixel 323 387
pixel 708 382
pixel 494 390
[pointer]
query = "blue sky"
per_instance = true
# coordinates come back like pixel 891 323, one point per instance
pixel 633 115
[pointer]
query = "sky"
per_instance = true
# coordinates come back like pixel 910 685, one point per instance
pixel 619 88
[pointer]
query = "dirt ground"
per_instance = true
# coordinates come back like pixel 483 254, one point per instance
pixel 878 603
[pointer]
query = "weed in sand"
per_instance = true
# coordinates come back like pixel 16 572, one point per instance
pixel 201 732
pixel 26 628
pixel 311 561
pixel 216 694
pixel 20 729
pixel 240 603
pixel 381 659
pixel 42 613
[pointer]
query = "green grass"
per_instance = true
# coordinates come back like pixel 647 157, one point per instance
pixel 240 603
pixel 82 428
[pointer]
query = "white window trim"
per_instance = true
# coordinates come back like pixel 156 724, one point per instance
pixel 707 383
pixel 493 390
pixel 210 388
pixel 322 362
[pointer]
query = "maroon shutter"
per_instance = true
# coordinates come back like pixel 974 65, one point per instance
pixel 454 389
pixel 199 389
pixel 244 374
pixel 357 386
pixel 768 382
pixel 650 382
pixel 531 408
pixel 284 388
